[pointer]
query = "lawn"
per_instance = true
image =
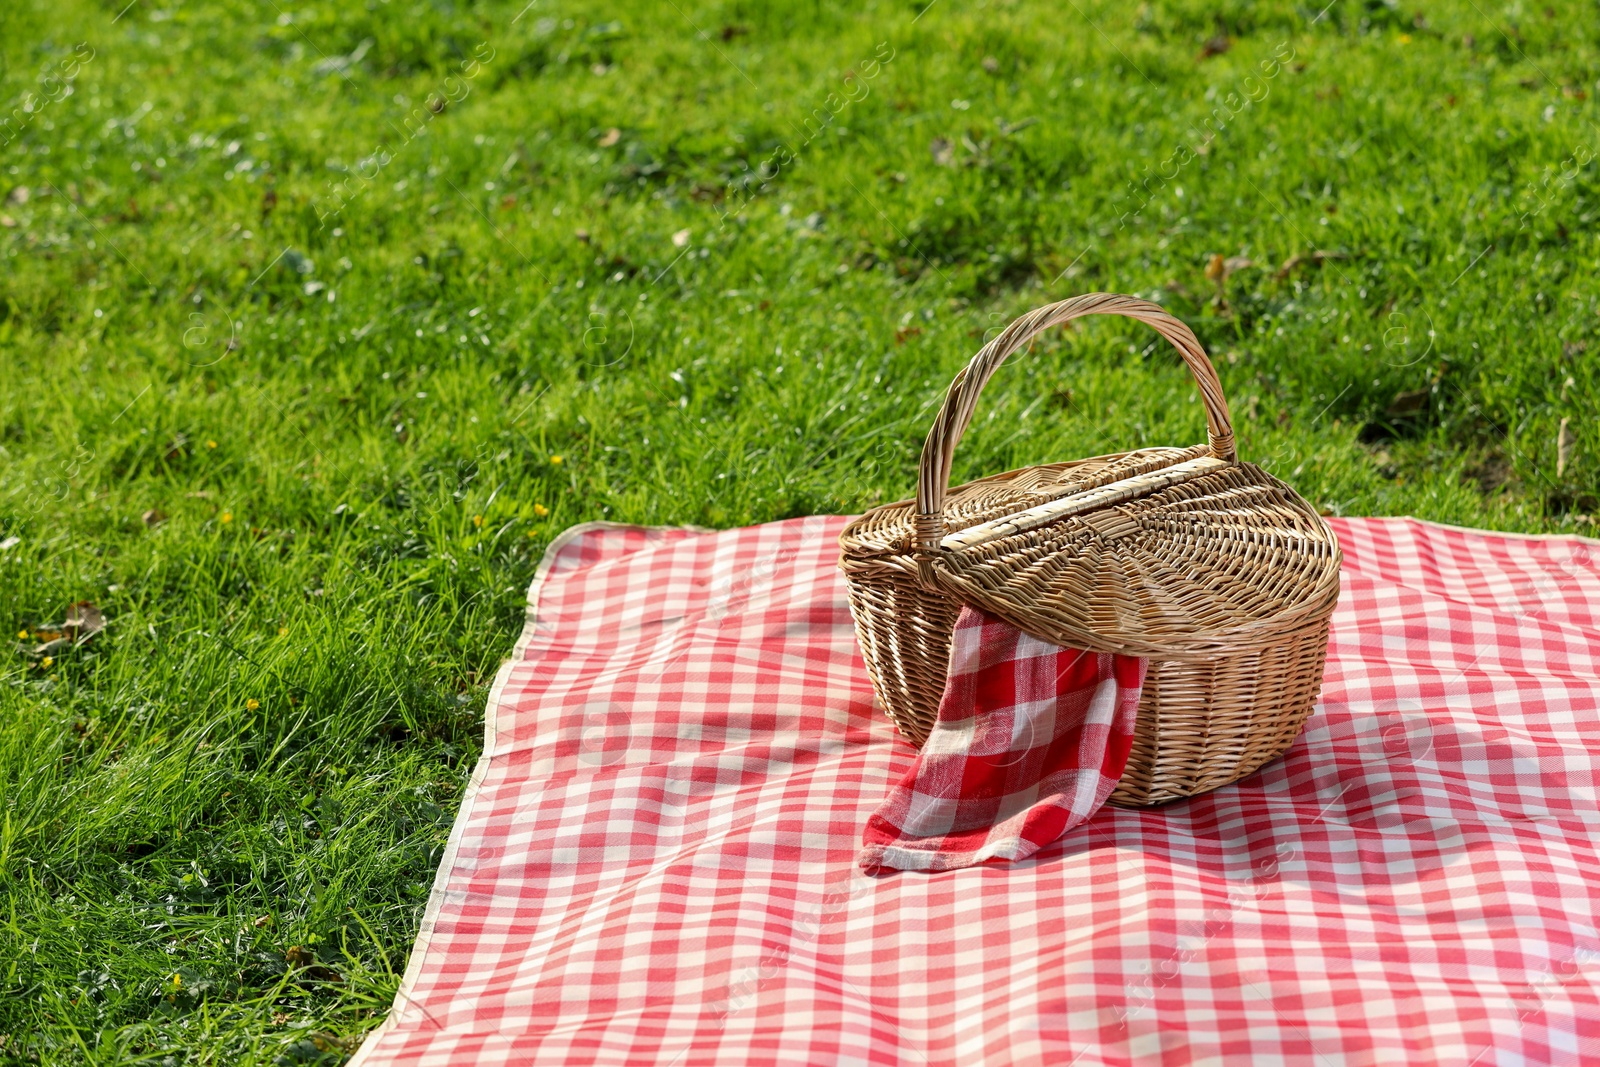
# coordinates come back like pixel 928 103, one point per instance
pixel 319 320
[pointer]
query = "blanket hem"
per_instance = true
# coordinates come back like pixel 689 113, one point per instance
pixel 441 877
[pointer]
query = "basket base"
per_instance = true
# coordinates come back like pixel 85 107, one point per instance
pixel 1206 724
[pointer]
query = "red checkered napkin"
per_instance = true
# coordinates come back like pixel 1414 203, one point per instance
pixel 1030 740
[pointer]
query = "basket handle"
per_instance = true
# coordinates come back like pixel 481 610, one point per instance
pixel 933 475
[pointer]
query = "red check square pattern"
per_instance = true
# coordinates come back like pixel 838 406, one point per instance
pixel 655 859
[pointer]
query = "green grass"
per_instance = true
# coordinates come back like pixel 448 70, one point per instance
pixel 361 359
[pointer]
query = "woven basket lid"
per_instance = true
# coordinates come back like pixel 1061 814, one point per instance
pixel 1164 552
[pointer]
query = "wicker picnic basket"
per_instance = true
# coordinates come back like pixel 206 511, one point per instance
pixel 1216 571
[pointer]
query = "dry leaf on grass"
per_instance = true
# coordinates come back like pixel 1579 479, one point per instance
pixel 306 960
pixel 1313 257
pixel 1217 271
pixel 1218 268
pixel 83 622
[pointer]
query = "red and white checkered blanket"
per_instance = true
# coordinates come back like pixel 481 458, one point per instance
pixel 655 861
pixel 1030 740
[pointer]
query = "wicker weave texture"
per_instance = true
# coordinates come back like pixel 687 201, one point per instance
pixel 1217 572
